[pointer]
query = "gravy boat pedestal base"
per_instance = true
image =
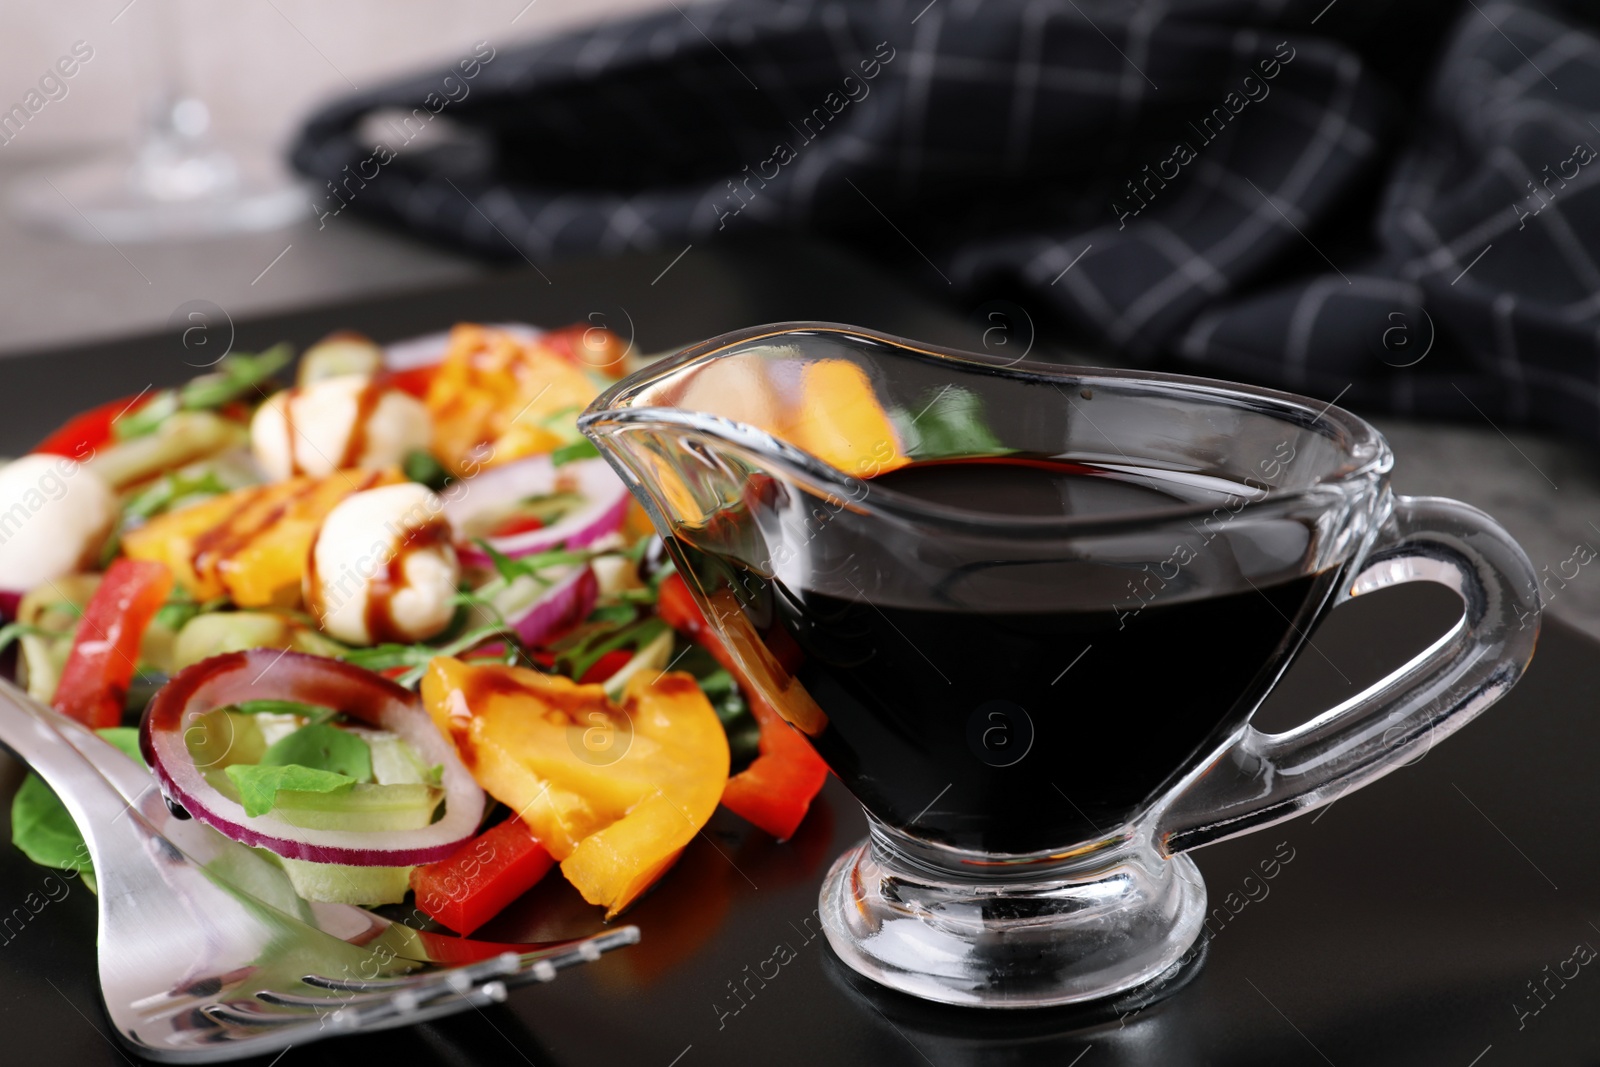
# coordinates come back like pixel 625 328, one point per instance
pixel 1011 932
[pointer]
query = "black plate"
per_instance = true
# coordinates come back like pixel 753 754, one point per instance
pixel 1403 924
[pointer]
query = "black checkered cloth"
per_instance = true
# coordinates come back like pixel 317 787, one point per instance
pixel 1390 202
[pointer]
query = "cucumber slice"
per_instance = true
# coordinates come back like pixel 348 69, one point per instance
pixel 365 808
pixel 43 659
pixel 210 635
pixel 396 763
pixel 220 738
pixel 181 438
pixel 335 883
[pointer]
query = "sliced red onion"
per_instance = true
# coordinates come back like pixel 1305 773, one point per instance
pixel 604 507
pixel 9 600
pixel 538 612
pixel 268 673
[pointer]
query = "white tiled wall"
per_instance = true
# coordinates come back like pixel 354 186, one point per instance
pixel 260 64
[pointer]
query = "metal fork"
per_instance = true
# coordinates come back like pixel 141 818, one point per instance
pixel 249 871
pixel 205 954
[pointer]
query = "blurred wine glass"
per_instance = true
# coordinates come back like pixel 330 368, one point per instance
pixel 177 181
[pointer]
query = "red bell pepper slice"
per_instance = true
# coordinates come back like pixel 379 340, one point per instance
pixel 776 790
pixel 589 348
pixel 81 436
pixel 478 880
pixel 415 380
pixel 517 524
pixel 94 682
pixel 676 605
pixel 607 665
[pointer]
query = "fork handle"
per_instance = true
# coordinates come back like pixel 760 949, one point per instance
pixel 34 733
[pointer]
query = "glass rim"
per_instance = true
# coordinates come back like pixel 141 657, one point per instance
pixel 1367 453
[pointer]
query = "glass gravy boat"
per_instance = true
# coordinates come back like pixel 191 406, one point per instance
pixel 1043 704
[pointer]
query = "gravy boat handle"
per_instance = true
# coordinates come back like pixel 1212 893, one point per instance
pixel 1257 779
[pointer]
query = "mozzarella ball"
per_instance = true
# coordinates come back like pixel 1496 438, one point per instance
pixel 613 574
pixel 382 567
pixel 54 515
pixel 348 421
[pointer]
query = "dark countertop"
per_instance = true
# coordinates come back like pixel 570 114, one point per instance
pixel 1403 924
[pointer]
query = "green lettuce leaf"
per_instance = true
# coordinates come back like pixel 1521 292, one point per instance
pixel 317 758
pixel 40 825
pixel 259 783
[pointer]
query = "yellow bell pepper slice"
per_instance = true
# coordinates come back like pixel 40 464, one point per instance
pixel 613 790
pixel 495 397
pixel 250 544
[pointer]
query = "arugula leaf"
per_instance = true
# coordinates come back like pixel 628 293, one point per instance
pixel 320 747
pixel 13 630
pixel 382 658
pixel 151 502
pixel 716 684
pixel 548 507
pixel 744 742
pixel 180 608
pixel 423 467
pixel 151 414
pixel 40 825
pixel 583 448
pixel 504 565
pixel 169 489
pixel 583 648
pixel 534 565
pixel 235 376
pixel 617 614
pixel 258 784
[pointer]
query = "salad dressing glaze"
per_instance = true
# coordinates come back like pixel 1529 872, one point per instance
pixel 312 586
pixel 230 536
pixel 355 445
pixel 290 395
pixel 567 705
pixel 366 404
pixel 391 578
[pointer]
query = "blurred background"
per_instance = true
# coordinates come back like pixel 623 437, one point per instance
pixel 1443 113
pixel 260 67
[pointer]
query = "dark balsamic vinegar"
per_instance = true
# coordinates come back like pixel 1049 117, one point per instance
pixel 1021 722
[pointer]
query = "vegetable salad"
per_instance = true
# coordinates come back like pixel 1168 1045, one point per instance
pixel 397 625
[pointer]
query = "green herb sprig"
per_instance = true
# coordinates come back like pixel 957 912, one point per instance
pixel 236 376
pixel 415 657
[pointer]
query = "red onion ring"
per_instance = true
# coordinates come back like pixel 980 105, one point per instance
pixel 603 511
pixel 557 609
pixel 268 673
